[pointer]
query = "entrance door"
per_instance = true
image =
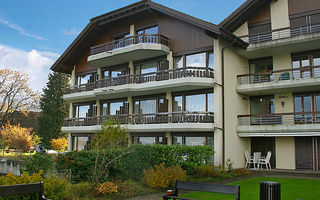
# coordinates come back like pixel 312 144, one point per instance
pixel 304 153
pixel 263 145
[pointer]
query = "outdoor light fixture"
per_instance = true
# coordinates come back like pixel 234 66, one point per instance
pixel 282 103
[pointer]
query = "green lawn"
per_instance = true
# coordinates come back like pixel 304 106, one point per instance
pixel 291 189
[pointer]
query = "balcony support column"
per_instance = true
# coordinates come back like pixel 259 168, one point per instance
pixel 70 110
pixel 170 103
pixel 69 142
pixel 132 32
pixel 99 72
pixel 131 68
pixel 130 102
pixel 170 59
pixel 129 139
pixel 73 76
pixel 98 107
pixel 169 138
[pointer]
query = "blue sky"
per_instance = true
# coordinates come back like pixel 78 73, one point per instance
pixel 43 29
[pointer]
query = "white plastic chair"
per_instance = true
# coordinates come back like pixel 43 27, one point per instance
pixel 249 159
pixel 265 161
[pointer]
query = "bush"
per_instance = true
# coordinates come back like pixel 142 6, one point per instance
pixel 59 144
pixel 163 177
pixel 17 137
pixel 81 190
pixel 207 171
pixel 39 162
pixel 55 188
pixel 241 172
pixel 107 189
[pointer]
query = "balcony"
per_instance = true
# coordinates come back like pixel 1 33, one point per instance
pixel 177 79
pixel 295 39
pixel 288 80
pixel 279 124
pixel 139 47
pixel 158 122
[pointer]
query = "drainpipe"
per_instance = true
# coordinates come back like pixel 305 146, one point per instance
pixel 223 107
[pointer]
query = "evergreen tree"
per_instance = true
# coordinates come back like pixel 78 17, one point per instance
pixel 54 108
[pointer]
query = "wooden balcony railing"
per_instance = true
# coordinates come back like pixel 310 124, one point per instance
pixel 282 33
pixel 280 75
pixel 279 119
pixel 199 72
pixel 131 40
pixel 157 118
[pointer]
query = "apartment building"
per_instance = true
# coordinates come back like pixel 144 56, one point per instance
pixel 250 83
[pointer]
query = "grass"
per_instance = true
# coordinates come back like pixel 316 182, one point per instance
pixel 291 189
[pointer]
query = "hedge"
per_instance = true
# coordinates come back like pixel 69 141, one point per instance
pixel 131 165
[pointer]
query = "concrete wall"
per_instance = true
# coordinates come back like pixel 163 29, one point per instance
pixel 285 153
pixel 279 14
pixel 7 166
pixel 235 104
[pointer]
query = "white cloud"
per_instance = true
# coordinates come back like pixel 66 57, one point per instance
pixel 70 32
pixel 34 63
pixel 20 30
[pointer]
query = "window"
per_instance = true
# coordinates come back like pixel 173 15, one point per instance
pixel 308 104
pixel 262 105
pixel 80 143
pixel 114 108
pixel 151 140
pixel 150 30
pixel 85 110
pixel 304 64
pixel 197 102
pixel 112 72
pixel 150 105
pixel 257 67
pixel 203 59
pixel 260 32
pixel 193 139
pixel 152 66
pixel 86 78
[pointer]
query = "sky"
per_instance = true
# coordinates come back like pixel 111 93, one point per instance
pixel 34 33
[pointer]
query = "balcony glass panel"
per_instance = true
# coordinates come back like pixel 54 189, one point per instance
pixel 196 60
pixel 196 103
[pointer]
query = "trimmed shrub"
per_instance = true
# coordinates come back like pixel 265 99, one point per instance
pixel 39 162
pixel 163 177
pixel 59 144
pixel 207 171
pixel 81 190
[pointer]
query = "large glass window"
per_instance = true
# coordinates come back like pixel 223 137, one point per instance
pixel 262 105
pixel 86 78
pixel 258 66
pixel 303 63
pixel 80 143
pixel 150 105
pixel 83 111
pixel 114 108
pixel 193 140
pixel 308 104
pixel 198 102
pixel 151 30
pixel 203 59
pixel 151 66
pixel 148 139
pixel 112 72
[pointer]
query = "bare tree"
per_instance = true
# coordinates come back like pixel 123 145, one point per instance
pixel 15 94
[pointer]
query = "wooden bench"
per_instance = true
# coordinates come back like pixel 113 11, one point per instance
pixel 23 189
pixel 205 187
